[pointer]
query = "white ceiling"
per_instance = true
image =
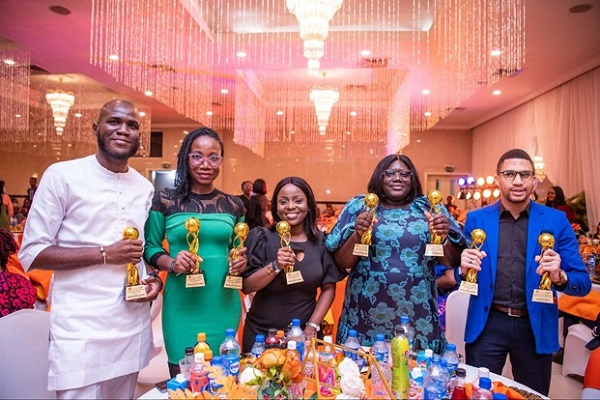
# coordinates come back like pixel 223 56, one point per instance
pixel 560 45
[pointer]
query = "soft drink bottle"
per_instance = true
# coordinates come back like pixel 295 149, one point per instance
pixel 295 389
pixel 259 346
pixel 452 361
pixel 198 376
pixel 201 345
pixel 400 351
pixel 484 392
pixel 297 335
pixel 460 392
pixel 282 340
pixel 272 342
pixel 326 356
pixel 381 354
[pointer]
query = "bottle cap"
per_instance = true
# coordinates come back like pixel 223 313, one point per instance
pixel 217 360
pixel 380 337
pixel 399 330
pixel 180 378
pixel 201 337
pixel 328 339
pixel 461 372
pixel 485 383
pixel 272 332
pixel 280 334
pixel 229 332
pixel 352 333
pixel 428 353
pixel 451 347
pixel 291 345
pixel 499 396
pixel 296 322
pixel 260 338
pixel 189 351
pixel 404 319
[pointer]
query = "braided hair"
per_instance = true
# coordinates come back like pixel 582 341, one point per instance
pixel 182 174
pixel 8 246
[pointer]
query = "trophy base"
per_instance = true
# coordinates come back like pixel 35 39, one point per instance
pixel 294 277
pixel 135 292
pixel 434 250
pixel 194 280
pixel 233 282
pixel 361 250
pixel 543 296
pixel 469 288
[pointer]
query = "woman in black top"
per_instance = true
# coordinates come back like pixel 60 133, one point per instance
pixel 258 205
pixel 276 303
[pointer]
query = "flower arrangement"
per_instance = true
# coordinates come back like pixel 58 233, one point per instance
pixel 276 373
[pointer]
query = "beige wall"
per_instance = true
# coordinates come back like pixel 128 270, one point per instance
pixel 344 172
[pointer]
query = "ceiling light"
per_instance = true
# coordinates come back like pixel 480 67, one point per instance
pixel 148 93
pixel 425 92
pixel 489 180
pixel 480 181
pixel 113 57
pixel 9 62
pixel 241 54
pixel 348 133
pixel 18 115
pixel 78 115
pixel 224 91
pixel 497 92
pixel 427 113
pixel 353 113
pixel 365 53
pixel 209 113
pixel 142 114
pixel 477 195
pixel 487 193
pixel 580 8
pixel 324 100
pixel 495 53
pixel 185 132
pixel 279 112
pixel 60 102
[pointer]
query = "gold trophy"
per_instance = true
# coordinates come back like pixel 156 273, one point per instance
pixel 192 225
pixel 240 230
pixel 285 238
pixel 362 249
pixel 469 285
pixel 133 290
pixel 544 294
pixel 435 248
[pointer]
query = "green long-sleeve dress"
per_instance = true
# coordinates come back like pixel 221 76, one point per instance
pixel 211 308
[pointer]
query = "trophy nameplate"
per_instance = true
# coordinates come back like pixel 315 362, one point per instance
pixel 469 288
pixel 544 293
pixel 194 280
pixel 543 296
pixel 135 292
pixel 293 277
pixel 434 250
pixel 361 250
pixel 233 282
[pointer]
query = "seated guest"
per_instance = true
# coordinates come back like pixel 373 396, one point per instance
pixel 555 198
pixel 16 291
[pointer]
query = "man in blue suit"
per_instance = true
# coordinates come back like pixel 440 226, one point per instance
pixel 502 319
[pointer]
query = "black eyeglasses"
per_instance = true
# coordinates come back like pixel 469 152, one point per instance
pixel 213 161
pixel 510 175
pixel 403 174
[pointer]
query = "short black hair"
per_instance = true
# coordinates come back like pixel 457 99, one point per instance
pixel 259 186
pixel 244 182
pixel 376 182
pixel 310 222
pixel 182 175
pixel 514 153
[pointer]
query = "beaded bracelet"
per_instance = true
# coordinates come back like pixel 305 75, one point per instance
pixel 103 254
pixel 172 266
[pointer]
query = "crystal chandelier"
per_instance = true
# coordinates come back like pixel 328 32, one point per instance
pixel 60 102
pixel 538 161
pixel 324 100
pixel 314 17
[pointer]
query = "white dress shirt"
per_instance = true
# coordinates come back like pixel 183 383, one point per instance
pixel 95 334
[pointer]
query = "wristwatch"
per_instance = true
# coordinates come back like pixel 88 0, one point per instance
pixel 313 325
pixel 563 279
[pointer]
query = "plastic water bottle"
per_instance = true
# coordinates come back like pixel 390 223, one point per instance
pixel 259 346
pixel 417 377
pixel 591 265
pixel 230 345
pixel 381 354
pixel 409 331
pixel 198 376
pixel 484 391
pixel 482 372
pixel 452 361
pixel 353 343
pixel 400 350
pixel 297 335
pixel 436 380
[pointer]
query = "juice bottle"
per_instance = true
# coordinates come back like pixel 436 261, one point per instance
pixel 400 352
pixel 271 342
pixel 201 345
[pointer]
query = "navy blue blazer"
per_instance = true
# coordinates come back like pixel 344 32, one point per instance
pixel 543 317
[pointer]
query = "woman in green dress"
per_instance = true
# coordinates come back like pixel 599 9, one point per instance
pixel 211 308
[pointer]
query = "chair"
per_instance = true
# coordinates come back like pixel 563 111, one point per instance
pixel 576 354
pixel 24 342
pixel 457 305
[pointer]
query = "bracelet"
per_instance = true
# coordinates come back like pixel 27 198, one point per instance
pixel 172 266
pixel 316 327
pixel 274 268
pixel 103 253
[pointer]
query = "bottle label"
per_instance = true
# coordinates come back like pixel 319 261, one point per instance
pixel 231 364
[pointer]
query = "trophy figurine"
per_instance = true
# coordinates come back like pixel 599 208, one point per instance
pixel 544 294
pixel 469 285
pixel 192 225
pixel 285 238
pixel 133 290
pixel 362 249
pixel 435 247
pixel 241 229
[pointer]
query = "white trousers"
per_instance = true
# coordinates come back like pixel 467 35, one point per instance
pixel 122 387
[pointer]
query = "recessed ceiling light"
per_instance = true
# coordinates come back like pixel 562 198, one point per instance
pixel 427 113
pixel 224 91
pixel 70 145
pixel 495 53
pixel 580 8
pixel 241 54
pixel 279 112
pixel 78 115
pixel 292 132
pixel 365 53
pixel 60 10
pixel 348 133
pixel 18 115
pixel 113 57
pixel 418 140
pixel 9 62
pixel 148 93
pixel 353 113
pixel 185 132
pixel 142 114
pixel 209 113
pixel 328 191
pixel 497 92
pixel 425 92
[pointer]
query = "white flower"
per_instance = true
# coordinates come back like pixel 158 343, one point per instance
pixel 348 367
pixel 249 374
pixel 352 385
pixel 344 396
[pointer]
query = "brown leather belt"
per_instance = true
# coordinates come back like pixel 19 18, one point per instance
pixel 512 312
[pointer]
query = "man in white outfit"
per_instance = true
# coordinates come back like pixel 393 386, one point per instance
pixel 98 341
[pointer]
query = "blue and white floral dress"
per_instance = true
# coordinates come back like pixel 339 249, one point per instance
pixel 397 278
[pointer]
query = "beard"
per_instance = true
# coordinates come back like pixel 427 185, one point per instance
pixel 102 145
